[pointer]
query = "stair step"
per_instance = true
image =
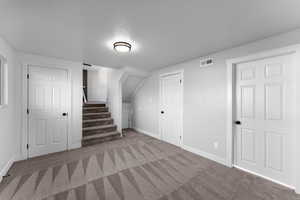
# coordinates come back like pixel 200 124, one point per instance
pixel 94 105
pixel 87 116
pixel 97 122
pixel 109 137
pixel 98 129
pixel 98 136
pixel 97 125
pixel 95 109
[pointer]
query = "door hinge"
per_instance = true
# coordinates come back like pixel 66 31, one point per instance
pixel 180 137
pixel 27 76
pixel 27 111
pixel 180 81
pixel 27 146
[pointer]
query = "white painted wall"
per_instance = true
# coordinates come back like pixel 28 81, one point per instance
pixel 131 79
pixel 10 114
pixel 75 71
pixel 126 115
pixel 115 80
pixel 204 118
pixel 145 106
pixel 129 86
pixel 97 84
pixel 114 96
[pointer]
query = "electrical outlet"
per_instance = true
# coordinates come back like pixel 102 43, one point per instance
pixel 216 145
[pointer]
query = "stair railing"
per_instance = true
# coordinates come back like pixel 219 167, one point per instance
pixel 84 96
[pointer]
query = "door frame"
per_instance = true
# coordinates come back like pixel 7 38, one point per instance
pixel 25 96
pixel 181 72
pixel 230 111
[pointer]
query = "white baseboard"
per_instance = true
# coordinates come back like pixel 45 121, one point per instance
pixel 188 148
pixel 147 133
pixel 5 169
pixel 297 190
pixel 265 177
pixel 205 154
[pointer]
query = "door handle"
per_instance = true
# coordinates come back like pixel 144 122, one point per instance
pixel 238 122
pixel 64 114
pixel 162 112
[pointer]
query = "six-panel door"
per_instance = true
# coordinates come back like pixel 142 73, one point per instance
pixel 265 103
pixel 47 101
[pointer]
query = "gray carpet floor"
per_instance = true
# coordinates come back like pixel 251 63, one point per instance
pixel 136 167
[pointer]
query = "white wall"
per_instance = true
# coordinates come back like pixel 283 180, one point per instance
pixel 204 118
pixel 10 114
pixel 75 71
pixel 145 106
pixel 131 79
pixel 97 84
pixel 129 86
pixel 126 115
pixel 114 96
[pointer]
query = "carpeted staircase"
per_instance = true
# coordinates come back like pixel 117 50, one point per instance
pixel 97 125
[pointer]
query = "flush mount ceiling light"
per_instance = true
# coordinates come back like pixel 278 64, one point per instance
pixel 122 47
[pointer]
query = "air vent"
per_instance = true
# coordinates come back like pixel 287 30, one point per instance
pixel 206 62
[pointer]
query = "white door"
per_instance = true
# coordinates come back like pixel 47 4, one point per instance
pixel 171 108
pixel 265 106
pixel 48 107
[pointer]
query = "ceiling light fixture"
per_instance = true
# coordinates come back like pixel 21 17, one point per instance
pixel 122 47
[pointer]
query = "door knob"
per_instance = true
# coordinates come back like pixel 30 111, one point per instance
pixel 64 114
pixel 238 122
pixel 162 112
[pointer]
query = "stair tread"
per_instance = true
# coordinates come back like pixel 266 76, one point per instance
pixel 98 106
pixel 91 108
pixel 97 120
pixel 102 135
pixel 97 113
pixel 98 127
pixel 94 103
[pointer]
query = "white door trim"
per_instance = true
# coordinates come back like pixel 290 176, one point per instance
pixel 181 72
pixel 231 63
pixel 25 133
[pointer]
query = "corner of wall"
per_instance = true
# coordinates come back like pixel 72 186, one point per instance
pixel 75 145
pixel 8 165
pixel 146 133
pixel 10 115
pixel 210 156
